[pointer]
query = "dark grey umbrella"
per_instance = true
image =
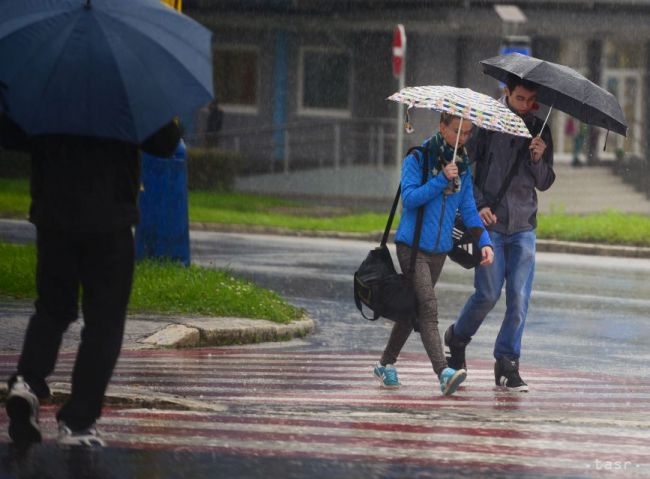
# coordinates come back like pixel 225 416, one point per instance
pixel 563 88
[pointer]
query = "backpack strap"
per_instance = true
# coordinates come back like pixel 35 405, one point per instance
pixel 426 159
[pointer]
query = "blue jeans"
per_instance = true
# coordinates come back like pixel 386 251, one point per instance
pixel 514 264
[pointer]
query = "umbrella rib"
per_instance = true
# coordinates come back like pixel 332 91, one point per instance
pixel 122 83
pixel 152 77
pixel 124 18
pixel 166 52
pixel 51 72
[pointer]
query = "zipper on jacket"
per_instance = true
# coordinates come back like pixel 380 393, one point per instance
pixel 442 216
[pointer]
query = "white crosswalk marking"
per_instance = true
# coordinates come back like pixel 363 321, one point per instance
pixel 328 406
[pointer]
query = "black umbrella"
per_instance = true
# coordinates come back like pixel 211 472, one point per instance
pixel 563 88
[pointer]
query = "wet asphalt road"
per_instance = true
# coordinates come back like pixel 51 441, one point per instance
pixel 586 312
pixel 588 317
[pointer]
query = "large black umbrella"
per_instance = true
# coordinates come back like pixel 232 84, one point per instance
pixel 563 88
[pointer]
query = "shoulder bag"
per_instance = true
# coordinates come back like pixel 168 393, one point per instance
pixel 377 285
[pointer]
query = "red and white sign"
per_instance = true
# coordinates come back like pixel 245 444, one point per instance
pixel 399 50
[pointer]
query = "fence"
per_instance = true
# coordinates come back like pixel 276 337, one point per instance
pixel 301 146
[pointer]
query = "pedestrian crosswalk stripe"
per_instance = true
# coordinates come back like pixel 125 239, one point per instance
pixel 329 406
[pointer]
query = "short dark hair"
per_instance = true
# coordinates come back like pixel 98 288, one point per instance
pixel 513 81
pixel 447 118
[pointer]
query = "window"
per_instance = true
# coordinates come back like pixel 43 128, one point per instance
pixel 235 78
pixel 623 77
pixel 324 82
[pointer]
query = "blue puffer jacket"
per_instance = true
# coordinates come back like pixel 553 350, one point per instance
pixel 440 209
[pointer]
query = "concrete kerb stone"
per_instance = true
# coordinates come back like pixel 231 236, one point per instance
pixel 543 245
pixel 222 331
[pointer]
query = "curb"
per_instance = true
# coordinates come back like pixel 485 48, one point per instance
pixel 543 245
pixel 226 331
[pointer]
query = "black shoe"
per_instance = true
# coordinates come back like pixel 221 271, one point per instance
pixel 22 408
pixel 506 374
pixel 456 358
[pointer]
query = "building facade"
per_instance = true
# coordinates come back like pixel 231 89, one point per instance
pixel 303 83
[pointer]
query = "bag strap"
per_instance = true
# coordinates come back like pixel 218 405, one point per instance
pixel 359 304
pixel 505 184
pixel 389 223
pixel 513 170
pixel 418 224
pixel 420 217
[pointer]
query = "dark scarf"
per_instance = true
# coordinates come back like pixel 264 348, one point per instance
pixel 442 154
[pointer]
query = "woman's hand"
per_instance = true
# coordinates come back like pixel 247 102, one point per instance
pixel 451 171
pixel 487 255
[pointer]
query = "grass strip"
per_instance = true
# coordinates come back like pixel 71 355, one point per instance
pixel 610 227
pixel 163 287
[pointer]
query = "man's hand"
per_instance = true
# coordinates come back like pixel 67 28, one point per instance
pixel 537 148
pixel 487 255
pixel 451 171
pixel 487 216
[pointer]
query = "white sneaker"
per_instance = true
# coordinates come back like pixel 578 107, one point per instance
pixel 88 437
pixel 22 408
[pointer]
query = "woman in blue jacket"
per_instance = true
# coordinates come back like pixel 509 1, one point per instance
pixel 447 190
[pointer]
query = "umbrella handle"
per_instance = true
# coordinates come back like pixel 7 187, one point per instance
pixel 539 135
pixel 460 125
pixel 545 121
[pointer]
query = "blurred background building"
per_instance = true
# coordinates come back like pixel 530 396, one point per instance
pixel 302 84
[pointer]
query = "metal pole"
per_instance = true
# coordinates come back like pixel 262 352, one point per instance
pixel 372 153
pixel 287 152
pixel 337 146
pixel 399 123
pixel 380 147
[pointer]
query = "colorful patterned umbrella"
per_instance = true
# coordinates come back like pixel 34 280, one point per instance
pixel 482 110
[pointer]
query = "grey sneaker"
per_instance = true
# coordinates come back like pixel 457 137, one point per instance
pixel 22 408
pixel 88 437
pixel 506 374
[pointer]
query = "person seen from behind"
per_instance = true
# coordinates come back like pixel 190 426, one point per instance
pixel 84 204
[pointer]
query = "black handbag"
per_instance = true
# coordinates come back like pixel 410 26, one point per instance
pixel 377 284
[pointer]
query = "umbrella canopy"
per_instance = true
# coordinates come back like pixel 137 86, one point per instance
pixel 482 110
pixel 563 88
pixel 107 68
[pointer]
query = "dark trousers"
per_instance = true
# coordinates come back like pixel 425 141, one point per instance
pixel 102 265
pixel 428 267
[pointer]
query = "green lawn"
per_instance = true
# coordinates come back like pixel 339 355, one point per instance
pixel 232 208
pixel 14 198
pixel 162 288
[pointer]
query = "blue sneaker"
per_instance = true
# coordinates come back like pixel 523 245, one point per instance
pixel 387 376
pixel 450 379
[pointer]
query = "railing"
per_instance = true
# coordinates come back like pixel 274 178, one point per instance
pixel 300 146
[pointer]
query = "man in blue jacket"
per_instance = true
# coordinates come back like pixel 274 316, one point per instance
pixel 511 224
pixel 448 189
